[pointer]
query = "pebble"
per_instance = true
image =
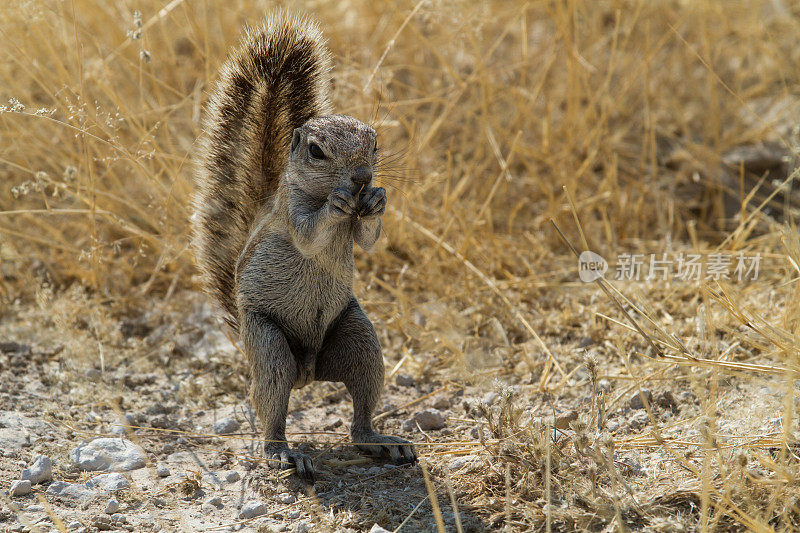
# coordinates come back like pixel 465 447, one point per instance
pixel 490 397
pixel 214 501
pixel 465 464
pixel 404 380
pixel 108 482
pixel 442 402
pixel 72 491
pixel 666 400
pixel 112 506
pixel 74 525
pixel 252 509
pixel 286 498
pixel 293 515
pixel 226 426
pixel 636 401
pixel 162 471
pixel 303 527
pixel 428 420
pixel 20 487
pixel 108 454
pixel 233 476
pixel 40 471
pixel 378 529
pixel 565 419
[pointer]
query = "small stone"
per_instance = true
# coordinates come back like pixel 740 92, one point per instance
pixel 226 426
pixel 442 402
pixel 565 419
pixel 233 476
pixel 303 527
pixel 475 432
pixel 490 397
pixel 404 381
pixel 465 464
pixel 109 454
pixel 286 498
pixel 378 529
pixel 638 421
pixel 92 375
pixel 162 471
pixel 429 419
pixel 70 491
pixel 293 515
pixel 158 502
pixel 162 422
pixel 252 509
pixel 585 342
pixel 666 400
pixel 40 471
pixel 214 501
pixel 112 506
pixel 108 482
pixel 117 429
pixel 103 523
pixel 74 525
pixel 20 487
pixel 636 401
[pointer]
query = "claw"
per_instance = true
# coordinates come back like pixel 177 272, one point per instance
pixel 286 459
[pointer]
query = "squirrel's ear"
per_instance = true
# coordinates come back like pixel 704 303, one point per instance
pixel 295 139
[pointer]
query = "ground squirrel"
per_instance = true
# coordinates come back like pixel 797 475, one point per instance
pixel 285 189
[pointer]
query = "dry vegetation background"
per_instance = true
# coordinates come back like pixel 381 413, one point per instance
pixel 672 125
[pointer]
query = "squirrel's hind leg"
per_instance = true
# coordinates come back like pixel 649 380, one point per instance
pixel 274 373
pixel 351 353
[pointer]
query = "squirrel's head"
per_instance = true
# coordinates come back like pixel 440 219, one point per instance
pixel 332 151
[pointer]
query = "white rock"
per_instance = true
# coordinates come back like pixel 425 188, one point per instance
pixel 72 491
pixel 233 476
pixel 286 498
pixel 162 471
pixel 108 482
pixel 225 426
pixel 112 506
pixel 465 464
pixel 16 431
pixel 40 471
pixel 303 527
pixel 108 454
pixel 215 501
pixel 378 529
pixel 429 419
pixel 74 525
pixel 252 509
pixel 20 487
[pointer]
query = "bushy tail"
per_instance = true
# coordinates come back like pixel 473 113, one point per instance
pixel 273 82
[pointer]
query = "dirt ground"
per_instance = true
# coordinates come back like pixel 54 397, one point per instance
pixel 169 373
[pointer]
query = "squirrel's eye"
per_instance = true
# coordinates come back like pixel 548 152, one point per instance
pixel 315 151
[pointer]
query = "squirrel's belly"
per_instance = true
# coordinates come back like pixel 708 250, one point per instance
pixel 298 293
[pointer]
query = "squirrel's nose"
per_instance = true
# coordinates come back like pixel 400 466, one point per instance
pixel 361 176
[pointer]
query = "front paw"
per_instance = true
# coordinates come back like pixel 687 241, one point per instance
pixel 342 203
pixel 372 202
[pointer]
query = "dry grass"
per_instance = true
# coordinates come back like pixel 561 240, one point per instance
pixel 495 109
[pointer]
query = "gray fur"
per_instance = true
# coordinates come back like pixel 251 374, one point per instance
pixel 291 292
